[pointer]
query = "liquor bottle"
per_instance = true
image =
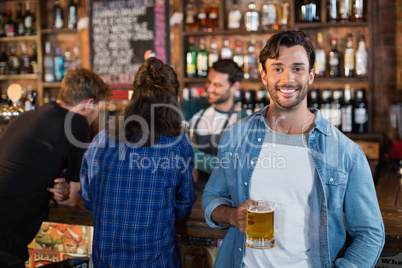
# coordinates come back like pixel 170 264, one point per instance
pixel 58 15
pixel 249 101
pixel 251 18
pixel 358 10
pixel 283 15
pixel 28 19
pixel 320 61
pixel 67 61
pixel 361 58
pixel 191 59
pixel 34 59
pixel 325 108
pixel 213 16
pixel 191 16
pixel 332 10
pixel 360 112
pixel 72 15
pixel 202 19
pixel 10 25
pixel 77 60
pixel 19 21
pixel 239 97
pixel 13 60
pixel 25 60
pixel 314 99
pixel 334 59
pixel 347 110
pixel 48 63
pixel 202 59
pixel 336 109
pixel 344 10
pixel 213 55
pixel 58 65
pixel 308 11
pixel 262 99
pixel 269 18
pixel 29 103
pixel 234 17
pixel 3 59
pixel 238 55
pixel 3 18
pixel 251 62
pixel 226 52
pixel 349 62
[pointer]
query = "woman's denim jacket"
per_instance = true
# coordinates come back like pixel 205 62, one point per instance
pixel 343 191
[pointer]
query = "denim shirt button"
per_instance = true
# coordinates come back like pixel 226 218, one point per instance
pixel 230 154
pixel 252 162
pixel 239 249
pixel 245 183
pixel 259 139
pixel 331 179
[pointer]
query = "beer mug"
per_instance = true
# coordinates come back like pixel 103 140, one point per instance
pixel 260 224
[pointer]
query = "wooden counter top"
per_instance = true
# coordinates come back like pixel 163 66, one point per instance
pixel 194 225
pixel 389 195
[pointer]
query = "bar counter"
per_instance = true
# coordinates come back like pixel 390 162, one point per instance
pixel 194 225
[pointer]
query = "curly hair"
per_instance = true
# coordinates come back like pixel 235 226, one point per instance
pixel 154 106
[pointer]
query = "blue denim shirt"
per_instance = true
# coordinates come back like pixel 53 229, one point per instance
pixel 343 186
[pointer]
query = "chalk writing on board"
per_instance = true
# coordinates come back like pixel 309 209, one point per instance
pixel 121 32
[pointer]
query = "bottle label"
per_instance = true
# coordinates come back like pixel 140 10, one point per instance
pixel 234 19
pixel 320 60
pixel 349 59
pixel 347 123
pixel 269 15
pixel 28 22
pixel 335 117
pixel 361 115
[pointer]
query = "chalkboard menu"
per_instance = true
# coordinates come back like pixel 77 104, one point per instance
pixel 120 33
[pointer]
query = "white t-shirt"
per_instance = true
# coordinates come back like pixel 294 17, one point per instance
pixel 284 174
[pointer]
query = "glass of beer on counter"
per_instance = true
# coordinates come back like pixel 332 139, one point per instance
pixel 260 224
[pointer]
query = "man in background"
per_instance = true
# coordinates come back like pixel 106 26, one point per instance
pixel 37 147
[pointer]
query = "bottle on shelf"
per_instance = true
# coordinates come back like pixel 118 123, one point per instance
pixel 3 59
pixel 332 10
pixel 320 61
pixel 314 99
pixel 336 108
pixel 269 18
pixel 19 20
pixel 72 15
pixel 349 57
pixel 226 52
pixel 239 97
pixel 213 54
pixel 13 60
pixel 238 55
pixel 360 112
pixel 347 110
pixel 361 58
pixel 191 16
pixel 334 57
pixel 213 16
pixel 358 11
pixel 25 60
pixel 202 59
pixel 77 60
pixel 344 10
pixel 283 15
pixel 67 61
pixel 262 99
pixel 48 63
pixel 34 59
pixel 10 25
pixel 58 65
pixel 202 18
pixel 308 11
pixel 191 59
pixel 251 62
pixel 58 15
pixel 234 17
pixel 3 18
pixel 251 18
pixel 249 101
pixel 28 19
pixel 325 108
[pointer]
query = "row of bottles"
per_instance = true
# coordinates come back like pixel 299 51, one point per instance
pixel 199 59
pixel 346 109
pixel 18 61
pixel 56 65
pixel 334 63
pixel 10 109
pixel 18 23
pixel 60 20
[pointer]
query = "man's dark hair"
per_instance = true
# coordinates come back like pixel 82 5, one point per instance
pixel 287 39
pixel 155 83
pixel 229 67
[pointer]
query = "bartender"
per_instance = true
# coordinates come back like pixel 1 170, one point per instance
pixel 207 125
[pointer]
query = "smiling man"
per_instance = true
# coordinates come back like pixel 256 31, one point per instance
pixel 323 180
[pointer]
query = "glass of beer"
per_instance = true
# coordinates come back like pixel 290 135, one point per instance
pixel 260 224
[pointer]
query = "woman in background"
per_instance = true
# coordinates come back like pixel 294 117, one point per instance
pixel 137 178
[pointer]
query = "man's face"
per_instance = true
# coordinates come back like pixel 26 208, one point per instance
pixel 218 87
pixel 288 77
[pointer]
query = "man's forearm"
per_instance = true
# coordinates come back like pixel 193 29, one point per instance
pixel 223 215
